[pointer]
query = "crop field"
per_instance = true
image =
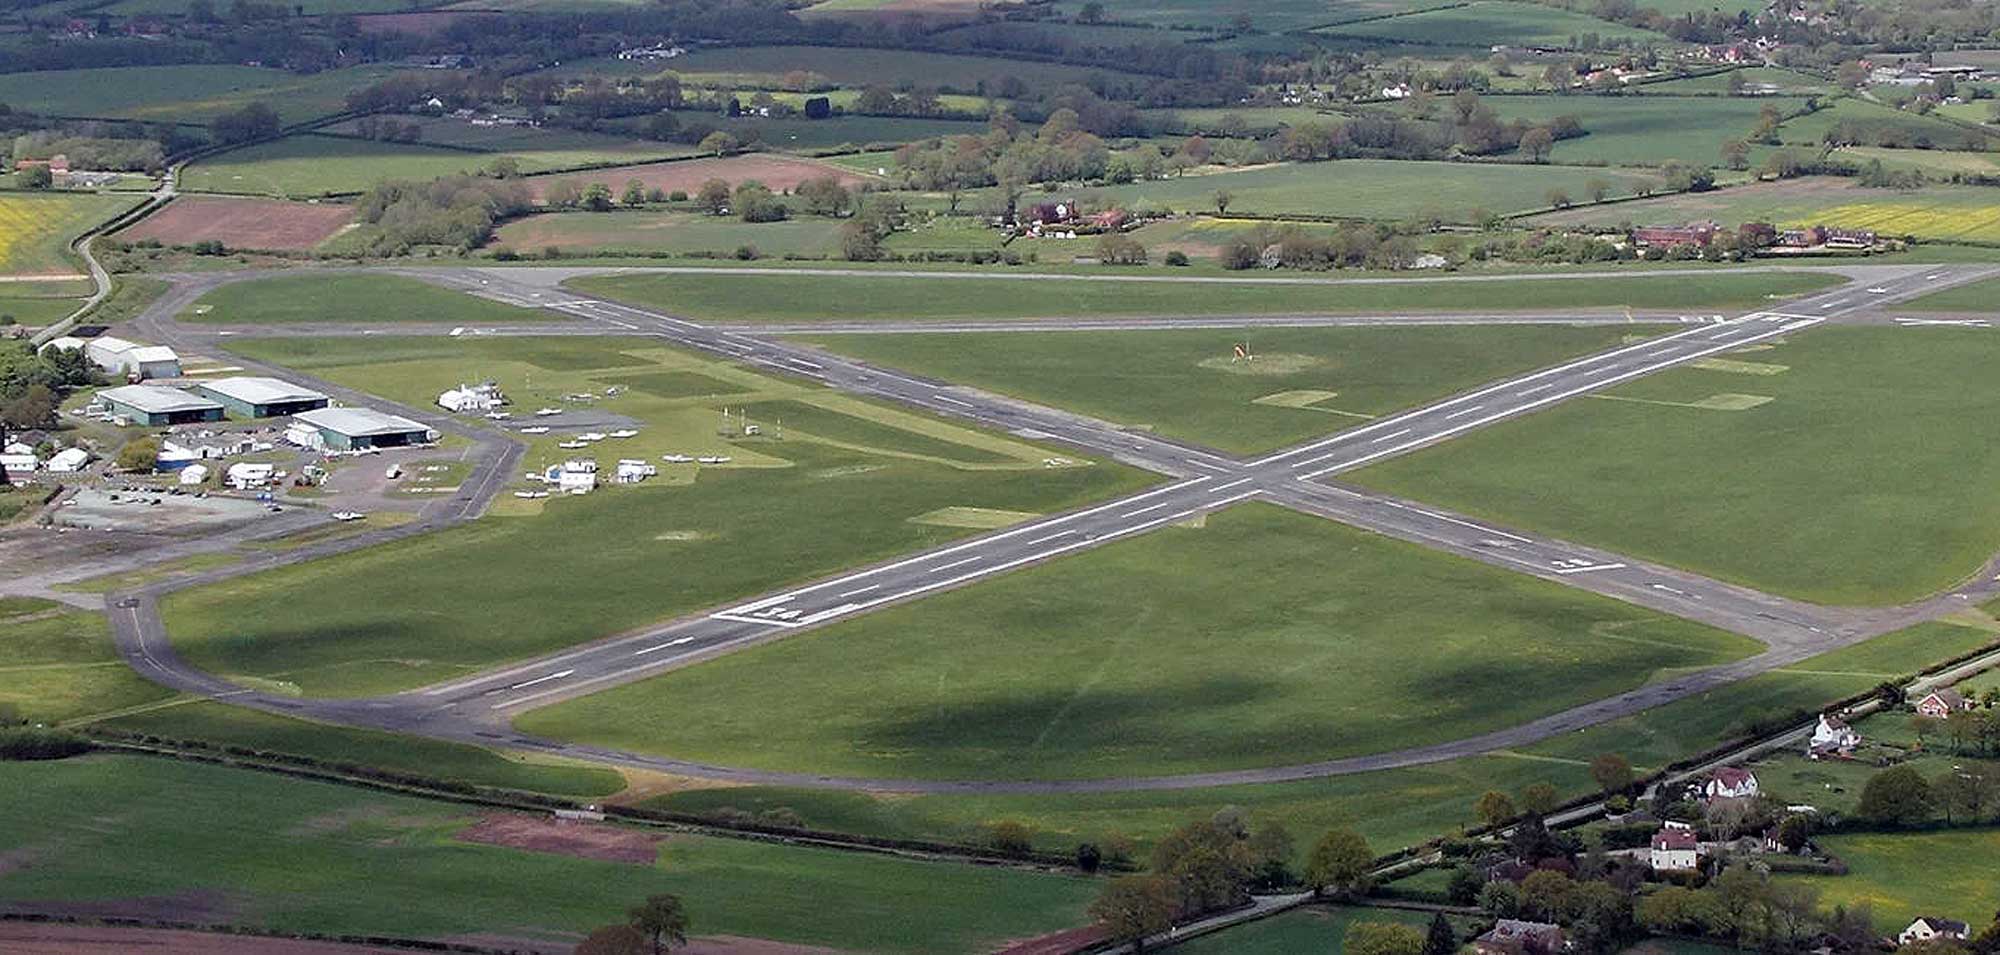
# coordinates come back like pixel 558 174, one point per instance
pixel 1028 676
pixel 241 223
pixel 786 509
pixel 1643 130
pixel 35 230
pixel 301 856
pixel 1941 212
pixel 667 232
pixel 780 173
pixel 185 93
pixel 777 297
pixel 1876 455
pixel 1375 189
pixel 536 147
pixel 1484 23
pixel 61 665
pixel 1186 385
pixel 1904 875
pixel 351 299
pixel 1936 162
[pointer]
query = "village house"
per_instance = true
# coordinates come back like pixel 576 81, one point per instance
pixel 1928 927
pixel 1942 702
pixel 1676 848
pixel 1517 937
pixel 1731 782
pixel 1832 737
pixel 1668 236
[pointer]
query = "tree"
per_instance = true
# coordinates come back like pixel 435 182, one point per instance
pixel 1382 938
pixel 1133 907
pixel 859 242
pixel 1545 894
pixel 1500 900
pixel 139 454
pixel 1441 939
pixel 1536 143
pixel 614 940
pixel 1092 12
pixel 1493 808
pixel 252 122
pixel 1611 772
pixel 35 177
pixel 34 407
pixel 1558 199
pixel 1794 831
pixel 720 143
pixel 635 193
pixel 1339 863
pixel 1736 154
pixel 1088 857
pixel 1925 727
pixel 1222 200
pixel 1540 798
pixel 713 197
pixel 1966 793
pixel 563 194
pixel 1897 796
pixel 1116 249
pixel 823 196
pixel 662 920
pixel 1597 189
pixel 597 197
pixel 754 202
pixel 1011 837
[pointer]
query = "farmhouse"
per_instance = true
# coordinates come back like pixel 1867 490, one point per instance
pixel 355 429
pixel 1940 703
pixel 154 406
pixel 132 359
pixel 1668 236
pixel 1832 737
pixel 1928 927
pixel 1676 849
pixel 253 397
pixel 1516 937
pixel 1731 782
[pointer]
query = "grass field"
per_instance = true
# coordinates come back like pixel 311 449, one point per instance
pixel 207 844
pixel 60 664
pixel 1876 457
pixel 846 66
pixel 306 166
pixel 784 511
pixel 1183 384
pixel 1311 929
pixel 1942 212
pixel 1373 189
pixel 1970 297
pixel 839 133
pixel 227 725
pixel 1484 23
pixel 536 147
pixel 351 299
pixel 37 310
pixel 1643 130
pixel 1030 675
pixel 1782 81
pixel 187 94
pixel 765 297
pixel 35 230
pixel 1904 875
pixel 1905 128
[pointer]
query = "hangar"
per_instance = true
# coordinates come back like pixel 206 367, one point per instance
pixel 248 396
pixel 152 405
pixel 355 429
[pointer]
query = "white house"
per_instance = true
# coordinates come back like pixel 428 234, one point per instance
pixel 19 456
pixel 1731 782
pixel 1676 848
pixel 194 474
pixel 1928 927
pixel 1832 737
pixel 573 476
pixel 68 461
pixel 472 398
pixel 632 471
pixel 245 476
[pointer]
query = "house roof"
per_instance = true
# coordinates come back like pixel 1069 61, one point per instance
pixel 1832 722
pixel 251 389
pixel 1943 926
pixel 1948 696
pixel 154 399
pixel 358 422
pixel 1517 929
pixel 1734 777
pixel 1673 838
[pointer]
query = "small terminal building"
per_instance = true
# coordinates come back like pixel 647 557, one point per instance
pixel 246 396
pixel 155 406
pixel 355 429
pixel 128 358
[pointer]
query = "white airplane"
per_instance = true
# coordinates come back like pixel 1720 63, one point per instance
pixel 1878 290
pixel 624 433
pixel 675 458
pixel 545 412
pixel 713 459
pixel 348 515
pixel 573 445
pixel 591 436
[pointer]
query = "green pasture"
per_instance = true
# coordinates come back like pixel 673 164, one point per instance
pixel 184 94
pixel 537 148
pixel 290 855
pixel 35 233
pixel 1484 23
pixel 1903 875
pixel 662 232
pixel 1302 383
pixel 224 725
pixel 1271 16
pixel 60 665
pixel 1310 929
pixel 1869 478
pixel 1370 189
pixel 37 310
pixel 1978 296
pixel 307 165
pixel 837 133
pixel 776 297
pixel 855 66
pixel 1911 129
pixel 1643 130
pixel 1784 81
pixel 785 510
pixel 1331 640
pixel 351 299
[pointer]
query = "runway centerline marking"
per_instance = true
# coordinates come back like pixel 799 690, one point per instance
pixel 862 590
pixel 1462 412
pixel 663 646
pixel 1392 436
pixel 1224 487
pixel 955 563
pixel 543 679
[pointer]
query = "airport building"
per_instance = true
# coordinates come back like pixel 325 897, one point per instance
pixel 154 406
pixel 131 359
pixel 355 429
pixel 246 396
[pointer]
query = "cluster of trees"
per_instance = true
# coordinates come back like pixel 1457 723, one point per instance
pixel 32 385
pixel 388 129
pixel 1061 150
pixel 1900 796
pixel 1350 245
pixel 458 211
pixel 1208 865
pixel 252 122
pixel 1743 905
pixel 91 152
pixel 658 925
pixel 1897 133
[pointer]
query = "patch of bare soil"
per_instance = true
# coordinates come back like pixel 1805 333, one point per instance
pixel 35 938
pixel 584 840
pixel 1057 943
pixel 737 945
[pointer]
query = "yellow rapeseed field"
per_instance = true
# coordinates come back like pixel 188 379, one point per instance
pixel 1975 223
pixel 35 229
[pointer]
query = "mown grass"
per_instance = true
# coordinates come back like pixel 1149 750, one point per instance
pixel 1486 23
pixel 351 299
pixel 1268 638
pixel 185 94
pixel 667 233
pixel 1643 130
pixel 1870 479
pixel 1982 296
pixel 1184 384
pixel 306 166
pixel 291 855
pixel 1312 929
pixel 1904 875
pixel 764 297
pixel 540 575
pixel 64 667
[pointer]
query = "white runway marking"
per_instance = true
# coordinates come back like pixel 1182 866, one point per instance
pixel 1462 412
pixel 962 404
pixel 1433 515
pixel 1224 487
pixel 1538 388
pixel 1392 436
pixel 804 363
pixel 1150 507
pixel 863 590
pixel 663 646
pixel 544 679
pixel 1205 464
pixel 1585 570
pixel 955 563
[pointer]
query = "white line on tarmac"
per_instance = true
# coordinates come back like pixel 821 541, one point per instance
pixel 1541 387
pixel 1225 487
pixel 963 404
pixel 739 618
pixel 1205 464
pixel 955 563
pixel 544 679
pixel 862 590
pixel 1391 436
pixel 804 363
pixel 663 646
pixel 1462 412
pixel 1585 570
pixel 1044 540
pixel 1447 518
pixel 1151 507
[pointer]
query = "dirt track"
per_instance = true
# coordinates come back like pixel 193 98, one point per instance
pixel 32 938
